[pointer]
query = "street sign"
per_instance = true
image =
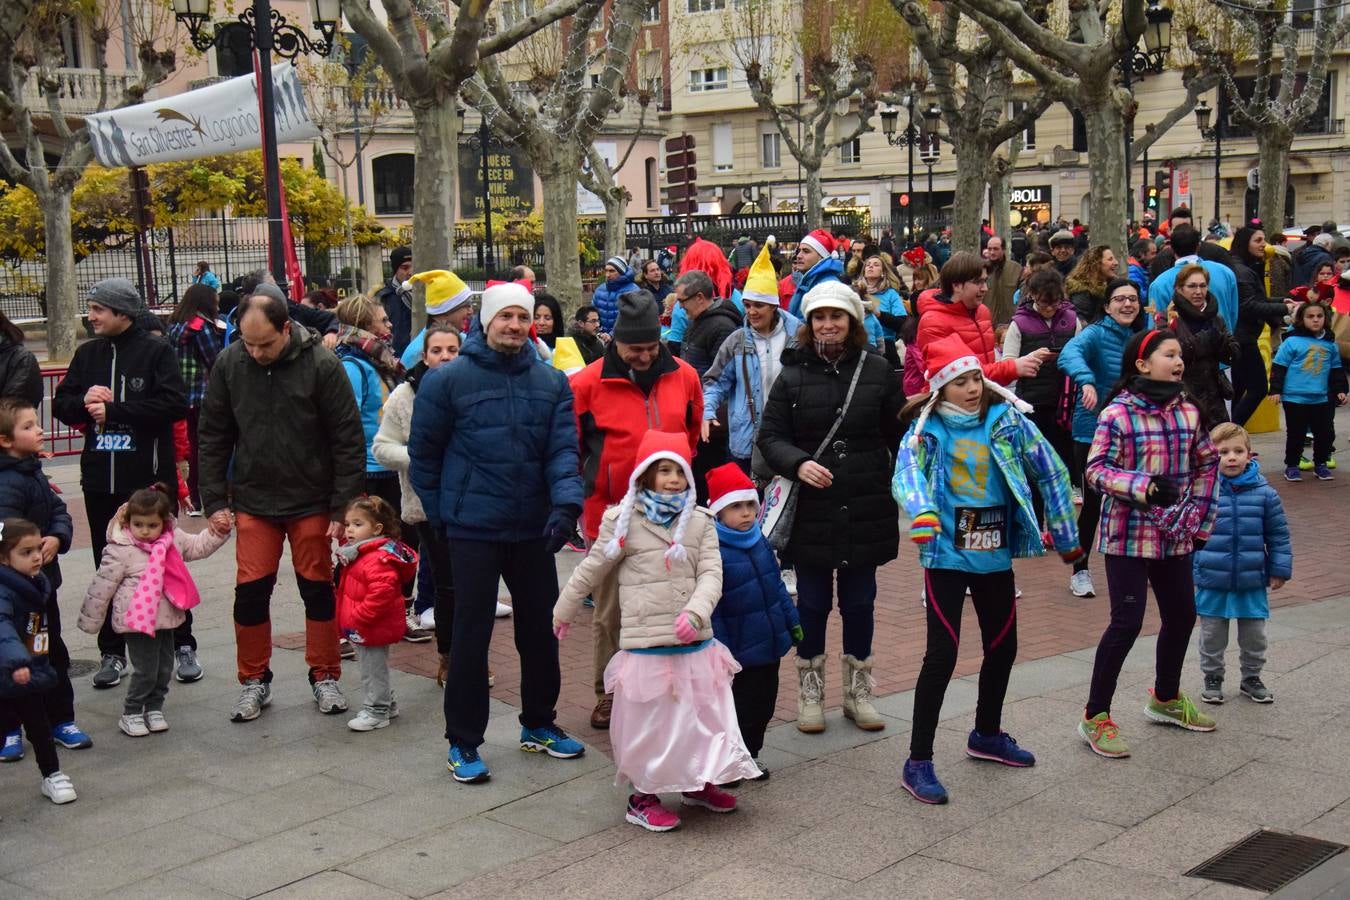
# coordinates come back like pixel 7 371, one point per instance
pixel 679 142
pixel 685 159
pixel 680 175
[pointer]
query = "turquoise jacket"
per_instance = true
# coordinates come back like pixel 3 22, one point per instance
pixel 1021 453
pixel 1093 357
pixel 370 396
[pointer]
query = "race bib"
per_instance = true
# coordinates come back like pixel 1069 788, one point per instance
pixel 35 637
pixel 981 529
pixel 115 441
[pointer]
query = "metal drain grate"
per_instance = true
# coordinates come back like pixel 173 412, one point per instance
pixel 1267 860
pixel 80 667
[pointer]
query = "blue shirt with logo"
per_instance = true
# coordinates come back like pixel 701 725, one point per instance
pixel 977 514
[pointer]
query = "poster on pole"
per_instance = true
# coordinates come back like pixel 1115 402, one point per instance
pixel 589 204
pixel 218 118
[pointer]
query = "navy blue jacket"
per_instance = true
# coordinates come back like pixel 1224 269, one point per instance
pixel 493 445
pixel 755 616
pixel 23 621
pixel 25 493
pixel 1250 541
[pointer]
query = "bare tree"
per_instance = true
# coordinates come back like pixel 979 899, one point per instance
pixel 600 178
pixel 1286 89
pixel 554 118
pixel 35 107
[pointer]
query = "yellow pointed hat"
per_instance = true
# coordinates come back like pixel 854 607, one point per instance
pixel 761 285
pixel 445 290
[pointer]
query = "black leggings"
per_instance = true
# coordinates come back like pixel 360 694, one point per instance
pixel 1090 513
pixel 993 596
pixel 435 550
pixel 1301 418
pixel 31 711
pixel 1249 382
pixel 1128 579
pixel 755 692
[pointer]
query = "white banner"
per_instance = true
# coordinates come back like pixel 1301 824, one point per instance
pixel 589 204
pixel 219 118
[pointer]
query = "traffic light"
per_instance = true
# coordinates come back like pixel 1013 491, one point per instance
pixel 1151 203
pixel 1162 180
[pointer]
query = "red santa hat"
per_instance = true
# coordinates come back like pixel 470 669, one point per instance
pixel 820 241
pixel 654 447
pixel 946 360
pixel 728 484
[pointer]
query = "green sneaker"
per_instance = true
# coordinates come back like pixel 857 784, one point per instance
pixel 1305 464
pixel 1103 736
pixel 1180 711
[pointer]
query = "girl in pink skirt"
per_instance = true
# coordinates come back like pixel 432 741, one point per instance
pixel 674 724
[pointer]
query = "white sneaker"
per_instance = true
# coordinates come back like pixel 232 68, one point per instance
pixel 133 725
pixel 1080 584
pixel 329 697
pixel 367 721
pixel 502 610
pixel 790 581
pixel 154 721
pixel 428 618
pixel 57 788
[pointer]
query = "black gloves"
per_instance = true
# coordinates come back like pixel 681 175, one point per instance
pixel 1162 491
pixel 562 524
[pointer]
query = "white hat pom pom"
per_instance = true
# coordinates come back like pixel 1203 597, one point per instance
pixel 770 241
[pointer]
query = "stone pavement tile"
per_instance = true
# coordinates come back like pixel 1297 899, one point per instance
pixel 1025 841
pixel 1271 794
pixel 1282 656
pixel 574 809
pixel 11 891
pixel 22 844
pixel 1293 716
pixel 1124 792
pixel 1333 825
pixel 444 857
pixel 165 885
pixel 1205 755
pixel 824 788
pixel 758 881
pixel 1339 636
pixel 778 760
pixel 1218 891
pixel 283 858
pixel 858 843
pixel 265 767
pixel 1173 841
pixel 333 886
pixel 283 807
pixel 1315 617
pixel 128 857
pixel 507 878
pixel 922 877
pixel 1141 656
pixel 1041 676
pixel 840 734
pixel 1083 876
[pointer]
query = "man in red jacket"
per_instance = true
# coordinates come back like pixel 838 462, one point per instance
pixel 958 309
pixel 636 387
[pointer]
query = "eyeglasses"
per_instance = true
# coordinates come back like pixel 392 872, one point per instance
pixel 1195 285
pixel 1123 298
pixel 683 300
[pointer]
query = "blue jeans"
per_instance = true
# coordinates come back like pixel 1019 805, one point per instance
pixel 815 598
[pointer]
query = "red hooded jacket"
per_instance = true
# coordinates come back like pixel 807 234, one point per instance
pixel 370 592
pixel 940 316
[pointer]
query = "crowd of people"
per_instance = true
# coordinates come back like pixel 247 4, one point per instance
pixel 736 443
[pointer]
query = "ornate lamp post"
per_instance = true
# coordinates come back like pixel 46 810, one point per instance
pixel 911 137
pixel 1215 134
pixel 268 31
pixel 929 154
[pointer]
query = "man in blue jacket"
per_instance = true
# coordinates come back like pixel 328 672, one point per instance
pixel 816 263
pixel 493 458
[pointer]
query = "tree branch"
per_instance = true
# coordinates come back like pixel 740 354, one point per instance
pixel 508 38
pixel 1199 84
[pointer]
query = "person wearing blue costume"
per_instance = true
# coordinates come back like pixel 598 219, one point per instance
pixel 963 475
pixel 815 260
pixel 619 280
pixel 449 301
pixel 1222 280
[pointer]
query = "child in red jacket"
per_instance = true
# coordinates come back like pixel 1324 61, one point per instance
pixel 374 566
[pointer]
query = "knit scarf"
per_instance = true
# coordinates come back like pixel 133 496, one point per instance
pixel 661 509
pixel 957 417
pixel 377 352
pixel 831 353
pixel 165 575
pixel 1159 393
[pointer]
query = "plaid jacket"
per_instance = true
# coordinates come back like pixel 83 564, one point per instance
pixel 196 344
pixel 1135 440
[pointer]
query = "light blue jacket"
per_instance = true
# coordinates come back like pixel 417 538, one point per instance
pixel 1023 455
pixel 1222 284
pixel 734 378
pixel 1093 357
pixel 370 395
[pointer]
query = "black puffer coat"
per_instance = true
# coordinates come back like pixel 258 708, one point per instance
pixel 853 522
pixel 1205 343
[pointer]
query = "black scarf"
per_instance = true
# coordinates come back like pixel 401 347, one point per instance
pixel 1159 393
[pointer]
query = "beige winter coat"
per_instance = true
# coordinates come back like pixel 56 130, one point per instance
pixel 390 448
pixel 120 571
pixel 650 597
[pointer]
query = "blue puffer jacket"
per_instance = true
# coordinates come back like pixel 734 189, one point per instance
pixel 829 269
pixel 755 616
pixel 1093 357
pixel 605 298
pixel 370 396
pixel 493 445
pixel 25 493
pixel 23 633
pixel 1250 541
pixel 734 378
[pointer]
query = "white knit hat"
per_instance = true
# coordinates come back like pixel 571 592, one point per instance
pixel 832 294
pixel 500 296
pixel 656 446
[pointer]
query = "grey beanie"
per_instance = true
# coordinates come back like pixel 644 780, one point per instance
pixel 267 289
pixel 639 320
pixel 118 295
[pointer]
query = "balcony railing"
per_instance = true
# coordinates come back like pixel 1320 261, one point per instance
pixel 79 90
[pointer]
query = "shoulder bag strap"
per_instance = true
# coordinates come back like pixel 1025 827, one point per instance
pixel 843 410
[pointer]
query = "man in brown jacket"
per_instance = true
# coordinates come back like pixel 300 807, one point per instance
pixel 1004 278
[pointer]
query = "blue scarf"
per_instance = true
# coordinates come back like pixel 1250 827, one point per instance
pixel 661 509
pixel 956 417
pixel 1248 477
pixel 743 540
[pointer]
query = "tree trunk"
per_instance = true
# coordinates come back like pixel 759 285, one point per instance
pixel 63 312
pixel 968 202
pixel 562 260
pixel 1273 146
pixel 1000 201
pixel 437 131
pixel 616 223
pixel 1106 174
pixel 813 202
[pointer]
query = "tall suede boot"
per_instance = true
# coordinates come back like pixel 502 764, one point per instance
pixel 811 694
pixel 858 684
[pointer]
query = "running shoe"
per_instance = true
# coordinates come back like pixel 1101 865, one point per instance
pixel 1179 711
pixel 1103 736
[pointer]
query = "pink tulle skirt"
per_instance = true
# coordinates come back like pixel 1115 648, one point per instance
pixel 673 726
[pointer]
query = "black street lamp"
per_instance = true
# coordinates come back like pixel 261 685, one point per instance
pixel 483 140
pixel 1215 134
pixel 911 137
pixel 929 154
pixel 268 31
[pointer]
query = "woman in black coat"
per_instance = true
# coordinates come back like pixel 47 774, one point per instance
pixel 20 374
pixel 1206 343
pixel 1255 312
pixel 846 522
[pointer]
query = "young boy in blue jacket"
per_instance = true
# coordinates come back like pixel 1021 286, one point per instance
pixel 755 618
pixel 1247 551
